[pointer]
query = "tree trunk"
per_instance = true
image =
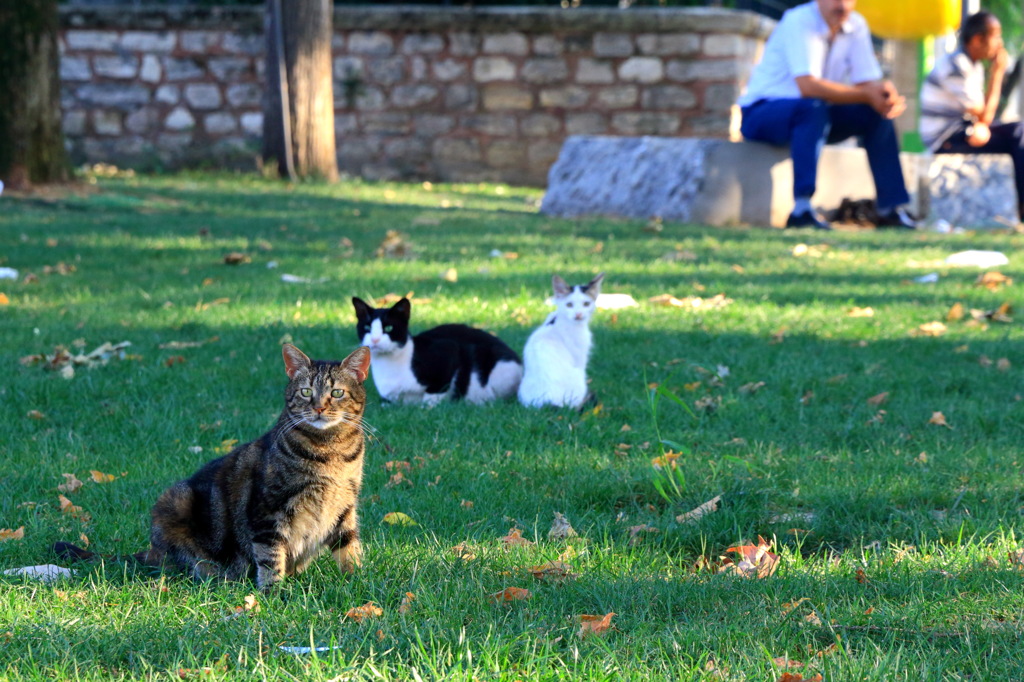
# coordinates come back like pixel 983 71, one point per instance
pixel 298 123
pixel 31 139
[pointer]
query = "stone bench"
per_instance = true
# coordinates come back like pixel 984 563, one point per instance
pixel 717 182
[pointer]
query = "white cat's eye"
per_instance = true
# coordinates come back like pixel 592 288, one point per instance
pixel 586 304
pixel 306 392
pixel 568 305
pixel 337 393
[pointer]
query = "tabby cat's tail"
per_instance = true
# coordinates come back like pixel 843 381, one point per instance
pixel 70 552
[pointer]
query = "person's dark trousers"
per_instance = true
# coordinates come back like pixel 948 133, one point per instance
pixel 805 124
pixel 1007 138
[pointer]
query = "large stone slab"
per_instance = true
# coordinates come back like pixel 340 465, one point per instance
pixel 717 182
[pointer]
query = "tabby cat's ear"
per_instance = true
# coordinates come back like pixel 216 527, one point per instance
pixel 361 306
pixel 559 286
pixel 295 360
pixel 593 287
pixel 358 362
pixel 403 308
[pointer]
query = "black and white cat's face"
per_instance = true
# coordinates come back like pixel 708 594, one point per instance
pixel 382 330
pixel 576 303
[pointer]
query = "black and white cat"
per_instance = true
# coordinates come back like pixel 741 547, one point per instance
pixel 451 360
pixel 556 354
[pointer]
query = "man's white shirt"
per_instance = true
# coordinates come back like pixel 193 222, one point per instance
pixel 800 46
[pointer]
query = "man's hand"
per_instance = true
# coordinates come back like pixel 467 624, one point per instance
pixel 1000 61
pixel 979 135
pixel 883 98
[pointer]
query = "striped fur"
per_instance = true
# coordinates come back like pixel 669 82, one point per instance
pixel 270 506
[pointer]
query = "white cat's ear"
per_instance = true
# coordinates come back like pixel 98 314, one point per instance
pixel 593 287
pixel 295 360
pixel 358 362
pixel 560 287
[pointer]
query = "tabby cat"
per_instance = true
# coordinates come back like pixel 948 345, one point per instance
pixel 451 360
pixel 273 504
pixel 556 354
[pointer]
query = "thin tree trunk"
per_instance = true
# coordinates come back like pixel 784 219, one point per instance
pixel 31 138
pixel 298 128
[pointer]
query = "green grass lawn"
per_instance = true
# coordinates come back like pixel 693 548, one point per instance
pixel 893 534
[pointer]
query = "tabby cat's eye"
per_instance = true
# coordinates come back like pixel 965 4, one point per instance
pixel 306 392
pixel 388 329
pixel 337 393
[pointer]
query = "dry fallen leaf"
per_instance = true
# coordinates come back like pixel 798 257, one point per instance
pixel 9 534
pixel 236 258
pixel 555 571
pixel 515 539
pixel 595 625
pixel 993 280
pixel 879 398
pixel 509 594
pixel 786 662
pixel 398 519
pixel 929 329
pixel 406 604
pixel 70 484
pixel 67 507
pixel 100 477
pixel 1003 364
pixel 463 551
pixel 249 605
pixel 860 312
pixel 560 528
pixel 704 509
pixel 361 613
pixel 939 419
pixel 797 677
pixel 3 299
pixel 35 414
pixel 751 388
pixel 756 561
pixel 956 312
pixel 450 275
pixel 635 531
pixel 1017 559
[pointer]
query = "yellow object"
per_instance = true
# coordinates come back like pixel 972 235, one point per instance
pixel 910 19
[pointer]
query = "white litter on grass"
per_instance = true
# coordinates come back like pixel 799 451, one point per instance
pixel 979 259
pixel 45 572
pixel 295 279
pixel 306 649
pixel 8 273
pixel 930 278
pixel 271 264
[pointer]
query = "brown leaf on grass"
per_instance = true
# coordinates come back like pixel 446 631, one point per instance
pixel 1016 559
pixel 406 604
pixel 939 419
pixel 635 532
pixel 226 446
pixel 395 245
pixel 515 539
pixel 70 484
pixel 466 504
pixel 175 360
pixel 1003 364
pixel 756 561
pixel 860 312
pixel 249 605
pixel 786 662
pixel 692 302
pixel 68 507
pixel 398 519
pixel 397 465
pixel 3 299
pixel 929 329
pixel 992 280
pixel 364 612
pixel 236 258
pixel 181 345
pixel 595 625
pixel 35 414
pixel 100 477
pixel 509 594
pixel 798 677
pixel 1001 314
pixel 862 577
pixel 708 404
pixel 878 399
pixel 751 388
pixel 955 313
pixel 450 275
pixel 218 669
pixel 11 534
pixel 463 551
pixel 879 418
pixel 553 571
pixel 560 528
pixel 397 479
pixel 984 360
pixel 700 511
pixel 778 336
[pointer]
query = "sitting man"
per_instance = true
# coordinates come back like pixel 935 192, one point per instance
pixel 818 82
pixel 957 111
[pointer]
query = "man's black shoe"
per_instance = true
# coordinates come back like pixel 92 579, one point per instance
pixel 896 219
pixel 807 219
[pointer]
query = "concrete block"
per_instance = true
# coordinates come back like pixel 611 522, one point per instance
pixel 715 182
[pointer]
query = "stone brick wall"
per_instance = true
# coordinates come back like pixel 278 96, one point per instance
pixel 457 94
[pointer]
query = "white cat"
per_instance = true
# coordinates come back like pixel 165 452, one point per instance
pixel 556 354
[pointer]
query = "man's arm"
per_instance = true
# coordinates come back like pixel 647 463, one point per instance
pixel 879 95
pixel 995 86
